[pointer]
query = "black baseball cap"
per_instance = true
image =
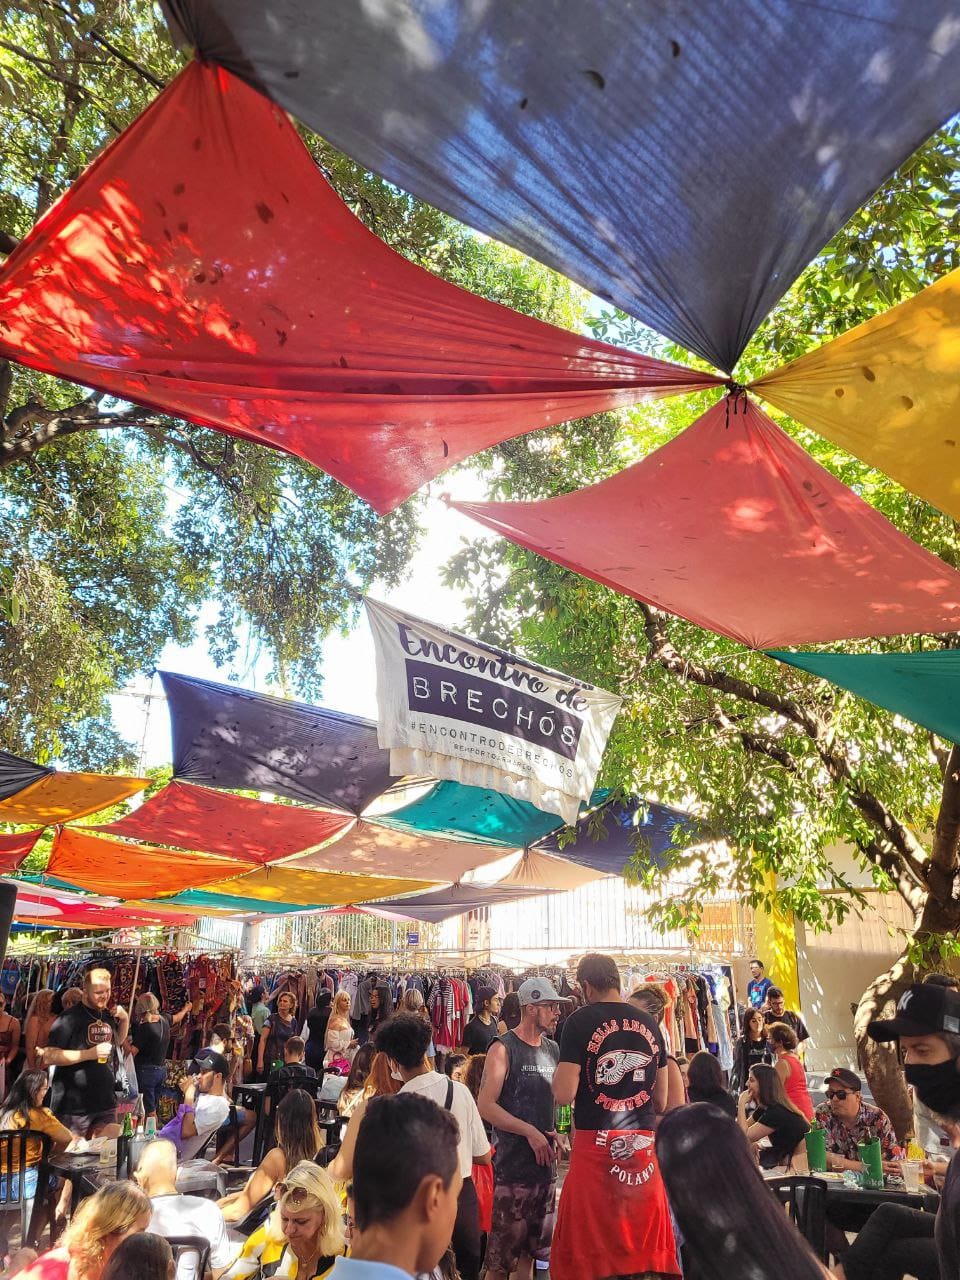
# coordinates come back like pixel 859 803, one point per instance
pixel 209 1060
pixel 924 1009
pixel 843 1075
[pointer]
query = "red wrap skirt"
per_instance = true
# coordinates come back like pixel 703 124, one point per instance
pixel 613 1218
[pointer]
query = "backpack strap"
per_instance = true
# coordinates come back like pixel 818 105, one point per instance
pixel 448 1101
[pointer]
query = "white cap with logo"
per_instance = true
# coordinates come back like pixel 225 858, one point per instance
pixel 539 991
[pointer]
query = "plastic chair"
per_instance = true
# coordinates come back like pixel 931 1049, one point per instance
pixel 183 1246
pixel 13 1192
pixel 806 1201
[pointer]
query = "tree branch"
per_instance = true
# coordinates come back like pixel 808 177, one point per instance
pixel 912 856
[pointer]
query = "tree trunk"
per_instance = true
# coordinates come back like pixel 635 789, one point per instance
pixel 880 1063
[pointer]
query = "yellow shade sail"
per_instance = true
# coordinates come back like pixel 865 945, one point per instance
pixel 314 888
pixel 888 392
pixel 128 870
pixel 60 797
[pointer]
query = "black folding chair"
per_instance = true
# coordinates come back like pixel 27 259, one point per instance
pixel 184 1246
pixel 806 1202
pixel 256 1217
pixel 13 1189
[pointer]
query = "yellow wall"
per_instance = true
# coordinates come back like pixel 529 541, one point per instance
pixel 776 941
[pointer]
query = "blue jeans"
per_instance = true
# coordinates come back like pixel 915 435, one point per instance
pixel 12 1195
pixel 149 1080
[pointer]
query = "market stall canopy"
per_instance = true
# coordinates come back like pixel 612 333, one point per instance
pixel 17 774
pixel 204 266
pixel 736 528
pixel 229 737
pixel 61 797
pixel 128 870
pixel 888 391
pixel 683 161
pixel 607 839
pixel 289 884
pixel 922 687
pixel 189 817
pixel 17 846
pixel 49 908
pixel 456 899
pixel 368 846
pixel 474 813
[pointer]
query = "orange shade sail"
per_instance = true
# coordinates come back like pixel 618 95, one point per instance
pixel 128 870
pixel 61 797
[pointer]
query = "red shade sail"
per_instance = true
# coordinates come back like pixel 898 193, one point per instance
pixel 16 847
pixel 58 909
pixel 735 527
pixel 189 817
pixel 203 266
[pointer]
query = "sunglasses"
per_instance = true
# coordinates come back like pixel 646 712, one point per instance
pixel 839 1094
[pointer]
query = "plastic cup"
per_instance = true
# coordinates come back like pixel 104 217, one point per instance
pixel 911 1170
pixel 103 1052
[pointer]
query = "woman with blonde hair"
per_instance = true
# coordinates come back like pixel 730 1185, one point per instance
pixel 149 1042
pixel 412 1001
pixel 339 1038
pixel 303 1237
pixel 36 1028
pixel 380 1084
pixel 100 1223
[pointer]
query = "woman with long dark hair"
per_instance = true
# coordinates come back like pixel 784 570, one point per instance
pixel 298 1138
pixel 381 1008
pixel 776 1117
pixel 356 1084
pixel 751 1048
pixel 731 1225
pixel 705 1083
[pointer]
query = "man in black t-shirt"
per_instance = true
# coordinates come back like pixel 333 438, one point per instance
pixel 82 1048
pixel 613 1218
pixel 483 1028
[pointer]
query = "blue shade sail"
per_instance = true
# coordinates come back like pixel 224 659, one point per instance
pixel 684 161
pixel 232 738
pixel 199 899
pixel 607 839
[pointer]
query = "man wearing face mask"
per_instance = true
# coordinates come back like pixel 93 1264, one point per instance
pixel 927 1025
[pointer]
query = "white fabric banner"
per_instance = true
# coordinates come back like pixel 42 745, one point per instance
pixel 450 707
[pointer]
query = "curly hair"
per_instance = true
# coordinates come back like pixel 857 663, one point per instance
pixel 779 1033
pixel 652 998
pixel 405 1038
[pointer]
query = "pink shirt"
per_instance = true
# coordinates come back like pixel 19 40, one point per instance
pixel 795 1085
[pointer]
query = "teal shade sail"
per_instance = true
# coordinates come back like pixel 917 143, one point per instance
pixel 460 812
pixel 922 687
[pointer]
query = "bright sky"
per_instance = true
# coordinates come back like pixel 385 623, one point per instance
pixel 348 668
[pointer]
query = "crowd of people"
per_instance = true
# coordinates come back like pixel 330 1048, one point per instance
pixel 454 1172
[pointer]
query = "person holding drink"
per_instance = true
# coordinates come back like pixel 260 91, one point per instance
pixel 81 1049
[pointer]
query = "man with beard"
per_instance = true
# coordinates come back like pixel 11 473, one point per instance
pixel 927 1025
pixel 516 1097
